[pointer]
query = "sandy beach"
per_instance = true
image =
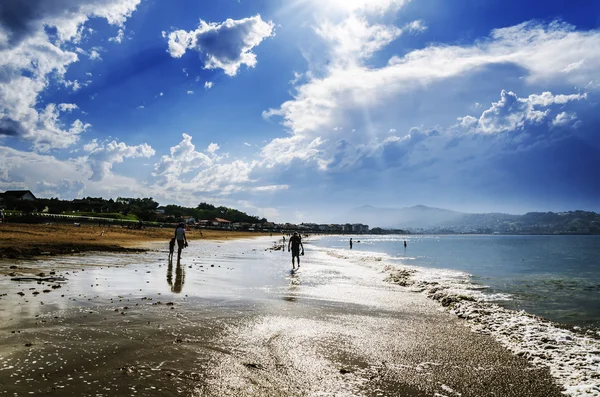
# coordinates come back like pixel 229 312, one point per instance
pixel 22 241
pixel 230 319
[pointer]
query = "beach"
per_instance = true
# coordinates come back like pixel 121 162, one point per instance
pixel 230 319
pixel 22 241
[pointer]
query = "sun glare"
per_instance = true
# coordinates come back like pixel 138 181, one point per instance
pixel 349 6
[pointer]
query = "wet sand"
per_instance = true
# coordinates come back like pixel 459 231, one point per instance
pixel 231 320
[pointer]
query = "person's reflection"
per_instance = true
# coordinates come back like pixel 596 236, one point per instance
pixel 293 289
pixel 176 286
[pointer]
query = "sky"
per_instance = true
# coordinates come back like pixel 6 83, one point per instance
pixel 300 110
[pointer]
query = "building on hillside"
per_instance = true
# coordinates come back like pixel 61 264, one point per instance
pixel 24 195
pixel 220 222
pixel 215 223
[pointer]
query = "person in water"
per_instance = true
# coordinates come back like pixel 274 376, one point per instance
pixel 404 243
pixel 181 239
pixel 350 243
pixel 295 243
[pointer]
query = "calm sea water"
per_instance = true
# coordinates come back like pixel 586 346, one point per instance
pixel 556 277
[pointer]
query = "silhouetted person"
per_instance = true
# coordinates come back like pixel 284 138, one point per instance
pixel 181 239
pixel 295 243
pixel 171 248
pixel 350 243
pixel 404 243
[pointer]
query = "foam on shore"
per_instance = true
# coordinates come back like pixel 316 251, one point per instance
pixel 573 358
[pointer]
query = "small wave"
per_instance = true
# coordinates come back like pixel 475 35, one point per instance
pixel 573 359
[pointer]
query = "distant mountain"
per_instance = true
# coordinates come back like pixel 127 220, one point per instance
pixel 418 216
pixel 438 220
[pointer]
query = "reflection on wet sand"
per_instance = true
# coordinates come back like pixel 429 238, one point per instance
pixel 179 276
pixel 245 327
pixel 292 291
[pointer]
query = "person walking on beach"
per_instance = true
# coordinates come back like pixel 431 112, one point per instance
pixel 295 243
pixel 181 239
pixel 404 243
pixel 350 243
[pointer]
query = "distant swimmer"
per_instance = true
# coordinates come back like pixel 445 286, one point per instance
pixel 404 243
pixel 295 243
pixel 350 243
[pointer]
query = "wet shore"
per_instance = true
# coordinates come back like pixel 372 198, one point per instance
pixel 230 319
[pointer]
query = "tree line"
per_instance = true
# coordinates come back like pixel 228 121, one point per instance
pixel 144 209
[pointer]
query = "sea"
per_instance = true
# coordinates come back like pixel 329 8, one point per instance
pixel 554 277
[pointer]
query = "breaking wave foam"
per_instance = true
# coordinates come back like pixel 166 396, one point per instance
pixel 573 358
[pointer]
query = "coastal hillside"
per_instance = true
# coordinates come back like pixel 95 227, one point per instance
pixel 418 216
pixel 425 219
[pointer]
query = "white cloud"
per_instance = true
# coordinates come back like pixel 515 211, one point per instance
pixel 190 92
pixel 67 107
pixel 183 159
pixel 511 112
pixel 542 51
pixel 140 107
pixel 64 189
pixel 285 150
pixel 212 148
pixel 416 27
pixel 223 178
pixel 355 39
pixel 119 37
pixel 102 157
pixel 564 119
pixel 208 85
pixel 90 146
pixel 67 16
pixel 28 57
pixel 95 55
pixel 189 173
pixel 225 46
pixel 61 178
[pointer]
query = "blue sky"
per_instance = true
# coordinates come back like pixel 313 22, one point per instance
pixel 300 110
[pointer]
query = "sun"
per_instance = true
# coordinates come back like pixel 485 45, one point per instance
pixel 346 7
pixel 360 6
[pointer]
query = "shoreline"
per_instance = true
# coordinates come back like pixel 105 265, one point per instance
pixel 572 355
